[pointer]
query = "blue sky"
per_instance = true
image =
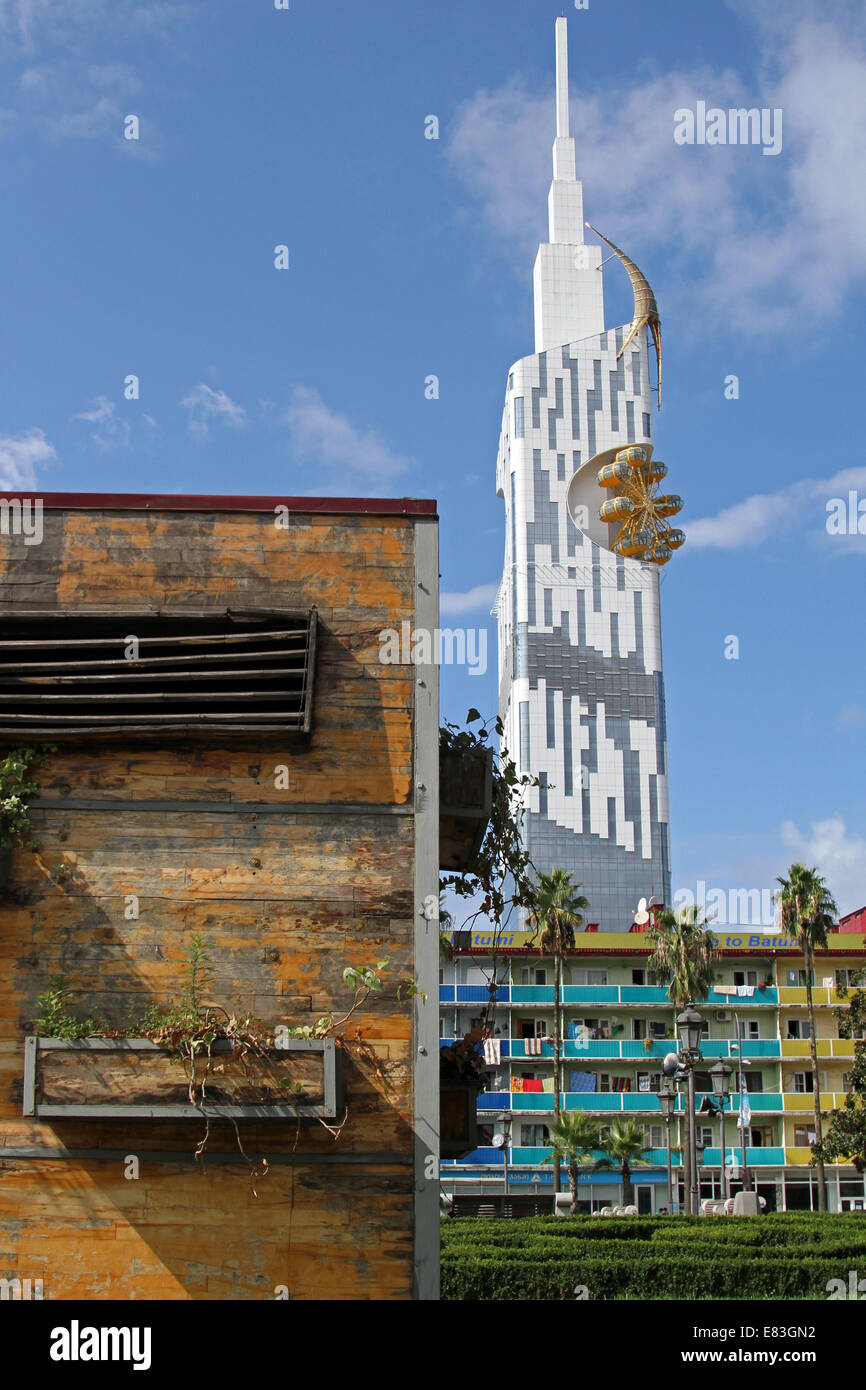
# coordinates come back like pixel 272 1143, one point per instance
pixel 411 257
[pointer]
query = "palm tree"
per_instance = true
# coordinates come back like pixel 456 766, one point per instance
pixel 684 949
pixel 574 1136
pixel 683 952
pixel 624 1147
pixel 809 910
pixel 557 912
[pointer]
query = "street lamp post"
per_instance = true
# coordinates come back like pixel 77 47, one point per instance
pixel 741 1119
pixel 667 1101
pixel 721 1078
pixel 690 1027
pixel 504 1118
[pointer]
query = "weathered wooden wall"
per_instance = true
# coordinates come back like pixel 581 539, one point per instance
pixel 287 898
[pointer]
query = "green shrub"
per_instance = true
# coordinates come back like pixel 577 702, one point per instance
pixel 543 1258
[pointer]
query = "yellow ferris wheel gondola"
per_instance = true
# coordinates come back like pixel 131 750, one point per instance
pixel 668 505
pixel 634 455
pixel 634 543
pixel 613 474
pixel 615 508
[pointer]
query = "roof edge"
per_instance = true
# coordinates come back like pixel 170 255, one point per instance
pixel 193 502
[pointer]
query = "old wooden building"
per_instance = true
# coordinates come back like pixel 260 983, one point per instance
pixel 231 759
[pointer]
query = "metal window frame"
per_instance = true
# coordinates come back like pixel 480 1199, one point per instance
pixel 331 1107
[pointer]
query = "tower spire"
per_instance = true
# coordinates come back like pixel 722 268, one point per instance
pixel 562 132
pixel 568 288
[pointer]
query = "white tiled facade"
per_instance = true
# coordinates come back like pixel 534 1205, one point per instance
pixel 580 672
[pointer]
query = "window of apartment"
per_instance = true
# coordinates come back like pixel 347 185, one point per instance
pixel 705 1136
pixel 799 1028
pixel 638 1028
pixel 649 1080
pixel 654 1136
pixel 762 1137
pixel 657 1028
pixel 530 975
pixel 745 977
pixel 644 977
pixel 846 1081
pixel 518 417
pixel 588 977
pixel 848 978
pixel 802 1082
pixel 753 1029
pixel 804 1135
pixel 532 1028
pixel 604 1082
pixel 754 1080
pixel 235 672
pixel 533 1136
pixel 596 1027
pixel 796 979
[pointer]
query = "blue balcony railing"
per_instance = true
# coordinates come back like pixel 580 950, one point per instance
pixel 574 995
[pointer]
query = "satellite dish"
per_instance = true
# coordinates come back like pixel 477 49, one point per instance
pixel 641 917
pixel 671 1064
pixel 498 1141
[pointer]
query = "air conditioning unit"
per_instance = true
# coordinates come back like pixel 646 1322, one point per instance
pixel 722 1015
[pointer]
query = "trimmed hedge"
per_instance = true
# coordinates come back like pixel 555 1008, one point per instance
pixel 779 1256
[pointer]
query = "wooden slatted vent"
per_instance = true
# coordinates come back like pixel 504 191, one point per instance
pixel 101 676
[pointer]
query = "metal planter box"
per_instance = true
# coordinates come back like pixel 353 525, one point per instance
pixel 83 1079
pixel 458 1117
pixel 465 803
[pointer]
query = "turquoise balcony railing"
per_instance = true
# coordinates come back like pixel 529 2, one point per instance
pixel 532 994
pixel 755 1158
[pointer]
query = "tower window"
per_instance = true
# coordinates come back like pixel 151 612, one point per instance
pixel 518 417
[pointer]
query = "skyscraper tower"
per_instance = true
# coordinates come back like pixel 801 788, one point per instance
pixel 580 665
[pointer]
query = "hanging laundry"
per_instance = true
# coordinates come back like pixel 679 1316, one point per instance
pixel 547 1084
pixel 492 1052
pixel 517 1083
pixel 534 1086
pixel 580 1081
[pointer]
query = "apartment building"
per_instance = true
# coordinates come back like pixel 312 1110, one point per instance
pixel 618 1026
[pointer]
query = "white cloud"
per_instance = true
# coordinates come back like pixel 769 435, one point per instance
pixel 769 237
pixel 838 855
pixel 321 436
pixel 111 431
pixel 756 518
pixel 471 601
pixel 207 407
pixel 19 456
pixel 852 717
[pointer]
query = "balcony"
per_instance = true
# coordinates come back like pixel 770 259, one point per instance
pixel 629 996
pixel 755 1158
pixel 825 1047
pixel 646 1102
pixel 821 995
pixel 472 994
pixel 803 1101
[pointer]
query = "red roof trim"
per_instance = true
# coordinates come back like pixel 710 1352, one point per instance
pixel 182 502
